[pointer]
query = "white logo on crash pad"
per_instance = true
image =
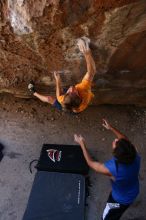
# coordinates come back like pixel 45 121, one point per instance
pixel 54 155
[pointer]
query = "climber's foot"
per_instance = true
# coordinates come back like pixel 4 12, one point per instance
pixel 31 87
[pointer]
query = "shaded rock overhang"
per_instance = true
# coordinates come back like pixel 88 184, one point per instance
pixel 39 36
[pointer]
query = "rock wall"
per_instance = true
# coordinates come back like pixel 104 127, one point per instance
pixel 39 36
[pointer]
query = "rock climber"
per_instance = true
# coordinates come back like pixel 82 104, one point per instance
pixel 77 97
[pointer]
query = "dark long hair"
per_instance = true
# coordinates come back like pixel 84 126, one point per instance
pixel 124 151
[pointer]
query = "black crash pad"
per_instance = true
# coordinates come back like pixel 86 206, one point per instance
pixel 56 196
pixel 65 158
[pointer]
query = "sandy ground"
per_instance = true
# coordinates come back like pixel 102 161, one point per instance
pixel 26 125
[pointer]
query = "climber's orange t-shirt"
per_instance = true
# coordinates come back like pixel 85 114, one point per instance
pixel 84 90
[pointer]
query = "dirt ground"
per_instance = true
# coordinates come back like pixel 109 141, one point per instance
pixel 27 124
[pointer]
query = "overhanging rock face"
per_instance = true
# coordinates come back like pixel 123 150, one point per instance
pixel 39 36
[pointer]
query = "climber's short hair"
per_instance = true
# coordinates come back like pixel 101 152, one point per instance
pixel 124 151
pixel 71 101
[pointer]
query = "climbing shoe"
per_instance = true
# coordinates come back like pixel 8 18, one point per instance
pixel 31 87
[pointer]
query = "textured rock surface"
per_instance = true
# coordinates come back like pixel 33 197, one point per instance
pixel 39 36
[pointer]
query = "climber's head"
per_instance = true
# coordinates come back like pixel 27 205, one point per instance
pixel 72 99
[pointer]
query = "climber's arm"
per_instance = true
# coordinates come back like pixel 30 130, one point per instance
pixel 91 68
pixel 58 85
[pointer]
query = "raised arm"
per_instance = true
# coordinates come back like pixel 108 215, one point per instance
pixel 83 44
pixel 58 84
pixel 108 126
pixel 97 166
pixel 91 69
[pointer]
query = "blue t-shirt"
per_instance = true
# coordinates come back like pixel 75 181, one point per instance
pixel 125 187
